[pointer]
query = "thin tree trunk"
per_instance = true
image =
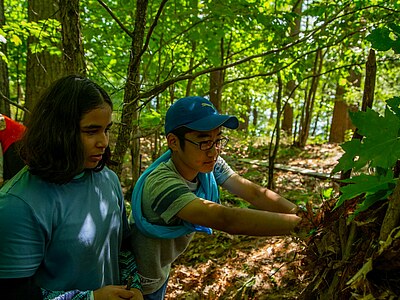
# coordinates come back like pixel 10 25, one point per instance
pixel 309 105
pixel 368 96
pixel 217 81
pixel 4 82
pixel 73 53
pixel 273 150
pixel 392 216
pixel 191 63
pixel 287 121
pixel 370 78
pixel 216 88
pixel 129 117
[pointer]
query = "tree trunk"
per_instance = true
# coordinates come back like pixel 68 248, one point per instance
pixel 368 96
pixel 255 116
pixel 339 116
pixel 273 148
pixel 129 117
pixel 245 115
pixel 42 68
pixel 287 122
pixel 73 53
pixel 341 119
pixel 309 104
pixel 191 63
pixel 4 83
pixel 392 216
pixel 217 81
pixel 370 78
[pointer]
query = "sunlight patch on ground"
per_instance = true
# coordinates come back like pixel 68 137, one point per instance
pixel 260 266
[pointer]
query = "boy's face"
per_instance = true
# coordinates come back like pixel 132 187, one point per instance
pixel 192 159
pixel 94 128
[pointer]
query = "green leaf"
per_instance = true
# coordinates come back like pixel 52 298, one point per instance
pixel 16 40
pixel 395 28
pixel 372 199
pixel 364 184
pixel 350 157
pixel 394 104
pixel 3 57
pixel 380 39
pixel 381 144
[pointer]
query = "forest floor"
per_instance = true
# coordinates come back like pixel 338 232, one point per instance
pixel 222 266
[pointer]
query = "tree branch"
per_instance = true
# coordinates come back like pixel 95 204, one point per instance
pixel 13 103
pixel 150 32
pixel 115 18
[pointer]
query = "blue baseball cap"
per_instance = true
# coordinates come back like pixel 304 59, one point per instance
pixel 196 113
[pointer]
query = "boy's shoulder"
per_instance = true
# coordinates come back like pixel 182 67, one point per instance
pixel 161 179
pixel 165 170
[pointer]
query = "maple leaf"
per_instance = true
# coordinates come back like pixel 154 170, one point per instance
pixel 380 145
pixel 350 158
pixel 394 104
pixel 370 185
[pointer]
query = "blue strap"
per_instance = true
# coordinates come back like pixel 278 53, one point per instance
pixel 208 190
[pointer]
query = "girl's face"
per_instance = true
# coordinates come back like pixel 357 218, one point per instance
pixel 95 126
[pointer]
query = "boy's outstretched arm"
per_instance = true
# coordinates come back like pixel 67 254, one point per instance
pixel 261 197
pixel 238 220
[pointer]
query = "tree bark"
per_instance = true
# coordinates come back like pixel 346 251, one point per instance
pixel 273 149
pixel 392 216
pixel 191 63
pixel 73 53
pixel 339 118
pixel 42 68
pixel 287 121
pixel 370 78
pixel 217 81
pixel 129 117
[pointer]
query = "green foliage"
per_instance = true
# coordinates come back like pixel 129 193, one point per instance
pixel 379 149
pixel 150 119
pixel 373 187
pixel 214 33
pixel 386 38
pixel 380 146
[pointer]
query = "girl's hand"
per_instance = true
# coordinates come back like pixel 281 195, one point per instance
pixel 114 292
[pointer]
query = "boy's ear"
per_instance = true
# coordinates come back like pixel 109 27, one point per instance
pixel 173 141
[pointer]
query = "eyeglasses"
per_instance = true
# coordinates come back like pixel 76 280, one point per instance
pixel 207 145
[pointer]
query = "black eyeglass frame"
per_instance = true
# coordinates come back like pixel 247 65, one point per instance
pixel 223 141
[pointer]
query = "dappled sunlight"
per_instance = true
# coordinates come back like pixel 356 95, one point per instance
pixel 250 267
pixel 87 233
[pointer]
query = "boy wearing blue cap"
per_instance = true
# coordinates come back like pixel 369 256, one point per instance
pixel 178 194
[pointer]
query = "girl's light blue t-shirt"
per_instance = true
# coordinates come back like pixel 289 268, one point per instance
pixel 66 236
